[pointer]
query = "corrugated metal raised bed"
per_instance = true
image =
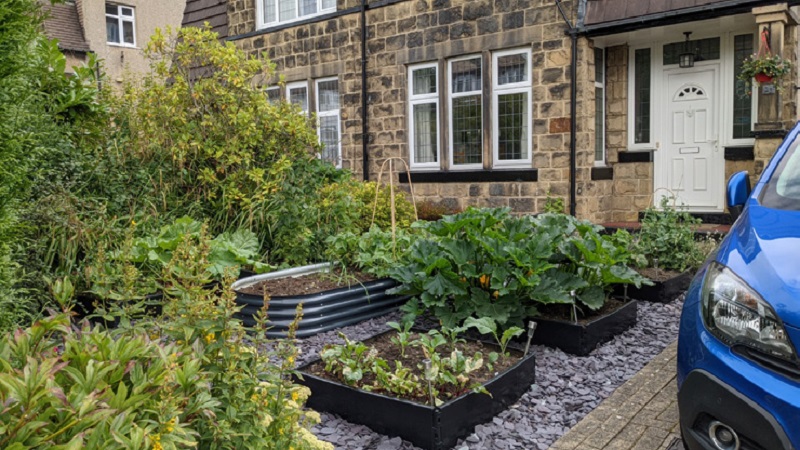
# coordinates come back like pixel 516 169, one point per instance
pixel 322 311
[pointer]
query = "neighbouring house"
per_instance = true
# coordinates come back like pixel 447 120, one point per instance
pixel 115 31
pixel 476 96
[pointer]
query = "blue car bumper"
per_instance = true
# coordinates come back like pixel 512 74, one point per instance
pixel 720 385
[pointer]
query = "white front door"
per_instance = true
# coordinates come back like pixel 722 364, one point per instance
pixel 690 165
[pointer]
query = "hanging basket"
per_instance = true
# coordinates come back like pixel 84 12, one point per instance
pixel 763 78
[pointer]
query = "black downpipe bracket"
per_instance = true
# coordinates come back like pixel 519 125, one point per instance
pixel 364 112
pixel 573 106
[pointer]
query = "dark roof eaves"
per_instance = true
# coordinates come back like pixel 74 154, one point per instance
pixel 693 14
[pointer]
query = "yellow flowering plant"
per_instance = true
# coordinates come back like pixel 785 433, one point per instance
pixel 190 378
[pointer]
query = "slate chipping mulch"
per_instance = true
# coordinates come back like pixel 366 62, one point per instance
pixel 567 387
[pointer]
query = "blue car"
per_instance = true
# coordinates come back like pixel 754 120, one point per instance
pixel 738 366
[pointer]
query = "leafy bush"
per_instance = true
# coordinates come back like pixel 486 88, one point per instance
pixel 364 192
pixel 375 252
pixel 190 379
pixel 428 210
pixel 480 263
pixel 588 262
pixel 229 250
pixel 667 235
pixel 486 264
pixel 44 116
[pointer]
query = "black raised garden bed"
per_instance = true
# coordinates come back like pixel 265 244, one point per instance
pixel 323 311
pixel 661 291
pixel 581 338
pixel 430 428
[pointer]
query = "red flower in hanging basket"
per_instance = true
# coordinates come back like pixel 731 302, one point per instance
pixel 763 78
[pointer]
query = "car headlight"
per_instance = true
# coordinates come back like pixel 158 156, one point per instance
pixel 737 315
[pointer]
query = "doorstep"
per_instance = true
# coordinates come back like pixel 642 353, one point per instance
pixel 642 414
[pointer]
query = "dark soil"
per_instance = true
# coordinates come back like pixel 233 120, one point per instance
pixel 585 315
pixel 413 358
pixel 309 284
pixel 659 275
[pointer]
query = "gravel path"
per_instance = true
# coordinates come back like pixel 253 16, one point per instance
pixel 567 387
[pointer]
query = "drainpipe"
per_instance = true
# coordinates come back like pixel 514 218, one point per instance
pixel 573 105
pixel 364 112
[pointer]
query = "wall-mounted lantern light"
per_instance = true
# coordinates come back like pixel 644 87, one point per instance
pixel 686 59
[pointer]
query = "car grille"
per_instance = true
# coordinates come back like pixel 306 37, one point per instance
pixel 787 368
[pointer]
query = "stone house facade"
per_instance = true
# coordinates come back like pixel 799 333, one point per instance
pixel 472 100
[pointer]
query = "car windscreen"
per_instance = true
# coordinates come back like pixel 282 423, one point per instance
pixel 783 189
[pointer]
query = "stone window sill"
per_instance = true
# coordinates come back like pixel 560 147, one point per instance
pixel 471 176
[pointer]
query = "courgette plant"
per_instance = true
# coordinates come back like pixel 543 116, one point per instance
pixel 479 263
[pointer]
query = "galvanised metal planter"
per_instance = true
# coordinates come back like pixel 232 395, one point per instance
pixel 322 311
pixel 428 427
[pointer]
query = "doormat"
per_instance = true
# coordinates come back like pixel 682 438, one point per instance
pixel 677 444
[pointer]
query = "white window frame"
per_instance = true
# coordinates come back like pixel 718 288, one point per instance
pixel 602 85
pixel 511 88
pixel 120 20
pixel 273 88
pixel 295 85
pixel 450 97
pixel 422 99
pixel 332 113
pixel 726 50
pixel 655 65
pixel 261 6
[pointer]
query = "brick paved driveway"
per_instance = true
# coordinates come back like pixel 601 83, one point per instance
pixel 642 414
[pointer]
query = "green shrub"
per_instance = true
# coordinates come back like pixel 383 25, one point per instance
pixel 588 262
pixel 479 263
pixel 364 194
pixel 44 116
pixel 431 211
pixel 485 263
pixel 376 252
pixel 192 378
pixel 668 235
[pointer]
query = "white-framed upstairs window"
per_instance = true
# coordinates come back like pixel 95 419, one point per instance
pixel 423 99
pixel 599 107
pixel 297 94
pixel 465 91
pixel 329 120
pixel 120 25
pixel 511 106
pixel 276 12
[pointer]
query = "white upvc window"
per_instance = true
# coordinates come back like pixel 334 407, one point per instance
pixel 120 25
pixel 599 107
pixel 640 104
pixel 465 90
pixel 297 94
pixel 511 106
pixel 275 12
pixel 423 118
pixel 329 120
pixel 273 94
